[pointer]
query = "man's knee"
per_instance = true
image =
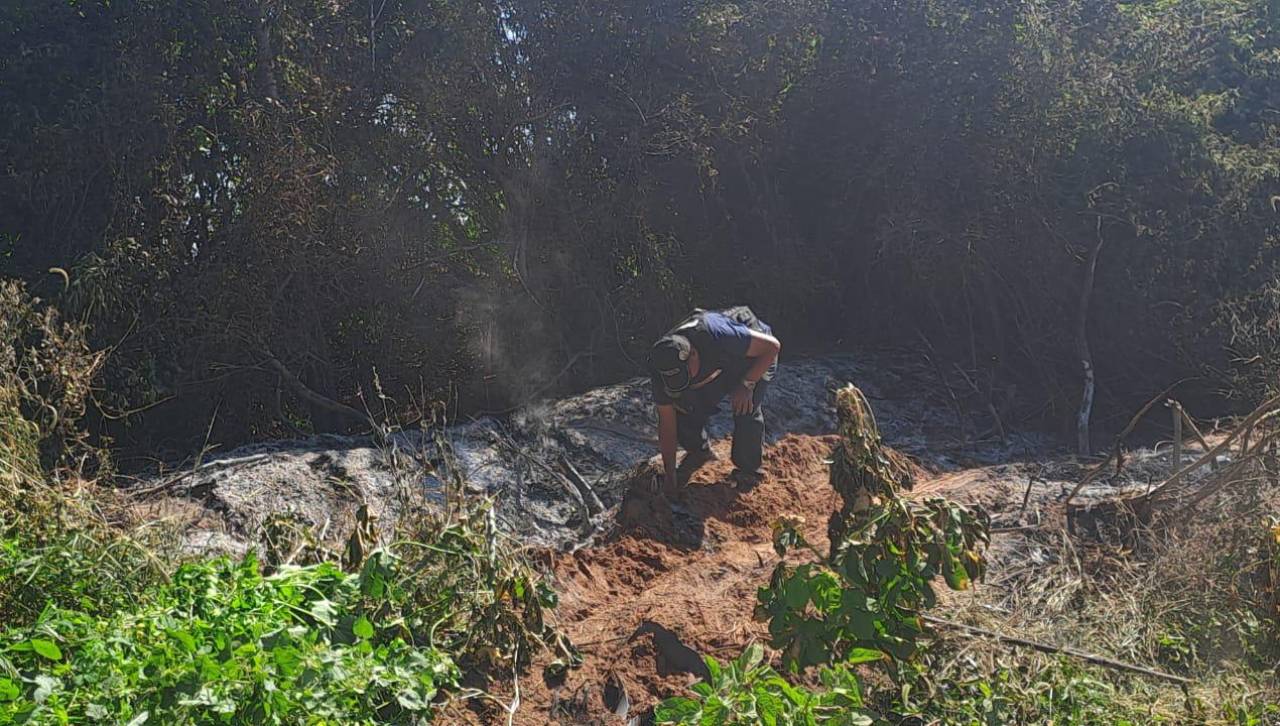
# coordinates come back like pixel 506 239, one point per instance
pixel 691 434
pixel 752 423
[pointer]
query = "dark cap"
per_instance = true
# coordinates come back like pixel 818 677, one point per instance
pixel 669 359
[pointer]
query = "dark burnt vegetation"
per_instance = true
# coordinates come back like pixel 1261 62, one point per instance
pixel 262 208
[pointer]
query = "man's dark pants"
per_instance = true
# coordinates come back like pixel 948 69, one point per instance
pixel 696 407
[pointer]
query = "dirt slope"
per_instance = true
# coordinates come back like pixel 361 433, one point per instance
pixel 673 583
pixel 676 582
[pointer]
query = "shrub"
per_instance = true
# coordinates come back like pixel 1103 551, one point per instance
pixel 56 545
pixel 220 642
pixel 748 691
pixel 46 369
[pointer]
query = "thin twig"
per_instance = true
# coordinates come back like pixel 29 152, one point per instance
pixel 1054 649
pixel 594 505
pixel 515 678
pixel 1195 430
pixel 1026 496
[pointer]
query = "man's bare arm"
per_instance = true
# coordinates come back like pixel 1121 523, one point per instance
pixel 762 351
pixel 667 443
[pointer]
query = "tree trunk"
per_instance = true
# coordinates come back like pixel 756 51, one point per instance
pixel 1082 347
pixel 265 56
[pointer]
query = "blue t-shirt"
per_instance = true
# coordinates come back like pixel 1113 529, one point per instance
pixel 722 344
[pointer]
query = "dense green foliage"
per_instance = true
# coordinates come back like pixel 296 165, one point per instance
pixel 103 623
pixel 748 691
pixel 517 195
pixel 221 643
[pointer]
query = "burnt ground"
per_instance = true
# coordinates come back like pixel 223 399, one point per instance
pixel 222 501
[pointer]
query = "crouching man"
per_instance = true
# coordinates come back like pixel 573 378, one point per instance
pixel 709 356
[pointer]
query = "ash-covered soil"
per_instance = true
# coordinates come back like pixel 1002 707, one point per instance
pixel 523 461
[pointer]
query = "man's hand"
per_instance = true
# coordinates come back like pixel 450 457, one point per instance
pixel 741 401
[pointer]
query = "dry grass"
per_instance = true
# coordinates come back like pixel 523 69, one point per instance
pixel 1190 596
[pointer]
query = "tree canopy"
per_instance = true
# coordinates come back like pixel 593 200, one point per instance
pixel 253 199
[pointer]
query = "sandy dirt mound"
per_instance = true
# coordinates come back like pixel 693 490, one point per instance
pixel 676 580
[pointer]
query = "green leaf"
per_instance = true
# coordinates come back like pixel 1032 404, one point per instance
pixel 714 712
pixel 863 655
pixel 825 592
pixel 411 701
pixel 713 668
pixel 769 708
pixel 954 572
pixel 752 657
pixel 46 649
pixel 8 690
pixel 546 596
pixel 363 629
pixel 183 637
pixel 677 710
pixel 287 659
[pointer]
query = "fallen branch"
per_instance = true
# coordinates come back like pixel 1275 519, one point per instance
pixel 615 429
pixel 594 505
pixel 1018 528
pixel 196 469
pixel 1054 649
pixel 1226 476
pixel 313 398
pixel 1248 434
pixel 574 493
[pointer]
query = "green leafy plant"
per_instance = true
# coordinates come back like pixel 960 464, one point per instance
pixel 886 551
pixel 222 643
pixel 1059 691
pixel 870 593
pixel 452 578
pixel 747 691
